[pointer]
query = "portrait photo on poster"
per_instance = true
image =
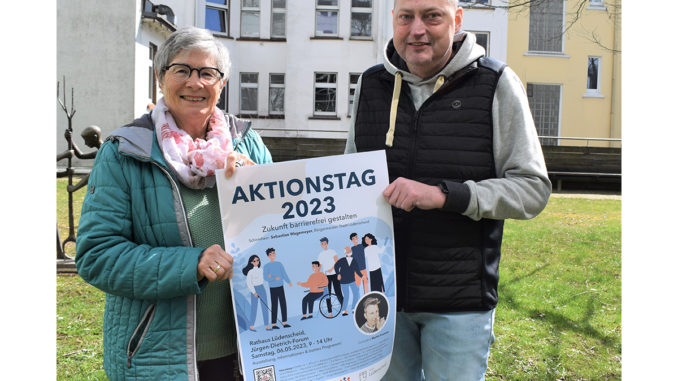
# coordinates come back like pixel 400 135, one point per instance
pixel 371 313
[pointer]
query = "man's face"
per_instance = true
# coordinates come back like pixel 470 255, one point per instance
pixel 354 240
pixel 371 314
pixel 315 268
pixel 271 256
pixel 323 244
pixel 423 32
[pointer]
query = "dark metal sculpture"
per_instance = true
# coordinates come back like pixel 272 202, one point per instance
pixel 92 137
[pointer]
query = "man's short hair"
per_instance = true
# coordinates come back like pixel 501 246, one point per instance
pixel 316 263
pixel 269 251
pixel 454 3
pixel 324 239
pixel 352 235
pixel 370 301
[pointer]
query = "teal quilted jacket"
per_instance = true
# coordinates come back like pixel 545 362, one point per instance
pixel 134 244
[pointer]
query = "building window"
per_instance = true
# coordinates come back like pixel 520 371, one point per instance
pixel 325 94
pixel 249 18
pixel 276 94
pixel 593 75
pixel 278 16
pixel 483 39
pixel 544 103
pixel 327 18
pixel 352 85
pixel 466 3
pixel 223 98
pixel 546 26
pixel 361 19
pixel 249 89
pixel 152 84
pixel 216 16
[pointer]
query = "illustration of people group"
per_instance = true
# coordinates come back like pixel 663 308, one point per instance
pixel 342 277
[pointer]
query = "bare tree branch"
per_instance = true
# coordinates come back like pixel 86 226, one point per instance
pixel 612 8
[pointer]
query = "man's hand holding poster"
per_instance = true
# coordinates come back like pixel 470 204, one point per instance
pixel 314 271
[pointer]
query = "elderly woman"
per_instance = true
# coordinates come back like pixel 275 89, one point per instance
pixel 150 233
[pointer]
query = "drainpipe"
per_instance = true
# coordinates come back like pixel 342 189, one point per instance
pixel 614 110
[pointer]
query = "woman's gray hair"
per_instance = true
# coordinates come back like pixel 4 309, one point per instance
pixel 190 38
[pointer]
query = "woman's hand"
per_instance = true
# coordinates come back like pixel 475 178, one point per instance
pixel 233 158
pixel 215 264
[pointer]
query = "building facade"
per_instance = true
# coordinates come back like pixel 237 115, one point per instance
pixel 567 54
pixel 295 64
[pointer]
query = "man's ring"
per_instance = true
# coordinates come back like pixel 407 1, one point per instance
pixel 216 269
pixel 239 163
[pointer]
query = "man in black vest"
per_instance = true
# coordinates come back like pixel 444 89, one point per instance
pixel 463 155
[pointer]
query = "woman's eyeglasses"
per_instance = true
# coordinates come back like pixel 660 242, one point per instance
pixel 181 72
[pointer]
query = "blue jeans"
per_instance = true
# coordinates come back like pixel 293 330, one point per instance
pixel 261 291
pixel 345 287
pixel 441 346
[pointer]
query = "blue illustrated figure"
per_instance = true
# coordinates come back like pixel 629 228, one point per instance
pixel 348 270
pixel 274 274
pixel 255 283
pixel 372 253
pixel 316 284
pixel 328 258
pixel 358 253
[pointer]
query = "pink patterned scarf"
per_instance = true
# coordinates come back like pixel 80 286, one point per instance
pixel 193 161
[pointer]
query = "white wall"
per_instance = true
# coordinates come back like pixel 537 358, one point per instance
pixel 95 55
pixel 490 20
pixel 299 57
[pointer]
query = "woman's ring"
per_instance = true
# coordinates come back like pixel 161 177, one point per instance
pixel 239 163
pixel 216 269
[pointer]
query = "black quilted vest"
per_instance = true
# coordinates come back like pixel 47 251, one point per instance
pixel 445 262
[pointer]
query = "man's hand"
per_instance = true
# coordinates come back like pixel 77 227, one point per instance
pixel 380 323
pixel 408 194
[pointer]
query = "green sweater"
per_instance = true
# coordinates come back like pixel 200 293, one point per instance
pixel 215 335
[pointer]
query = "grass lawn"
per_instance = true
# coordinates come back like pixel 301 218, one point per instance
pixel 559 313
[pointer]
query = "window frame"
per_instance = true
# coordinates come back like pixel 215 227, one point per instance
pixel 249 85
pixel 363 10
pixel 324 85
pixel 467 3
pixel 271 87
pixel 488 34
pixel 226 8
pixel 223 98
pixel 250 11
pixel 326 8
pixel 563 18
pixel 351 90
pixel 277 10
pixel 529 89
pixel 594 92
pixel 152 81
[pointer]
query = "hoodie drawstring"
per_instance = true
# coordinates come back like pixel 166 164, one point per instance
pixel 394 109
pixel 394 104
pixel 439 82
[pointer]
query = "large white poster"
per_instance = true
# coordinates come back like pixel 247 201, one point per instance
pixel 314 271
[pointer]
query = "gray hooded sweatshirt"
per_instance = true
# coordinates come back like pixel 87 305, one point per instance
pixel 522 187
